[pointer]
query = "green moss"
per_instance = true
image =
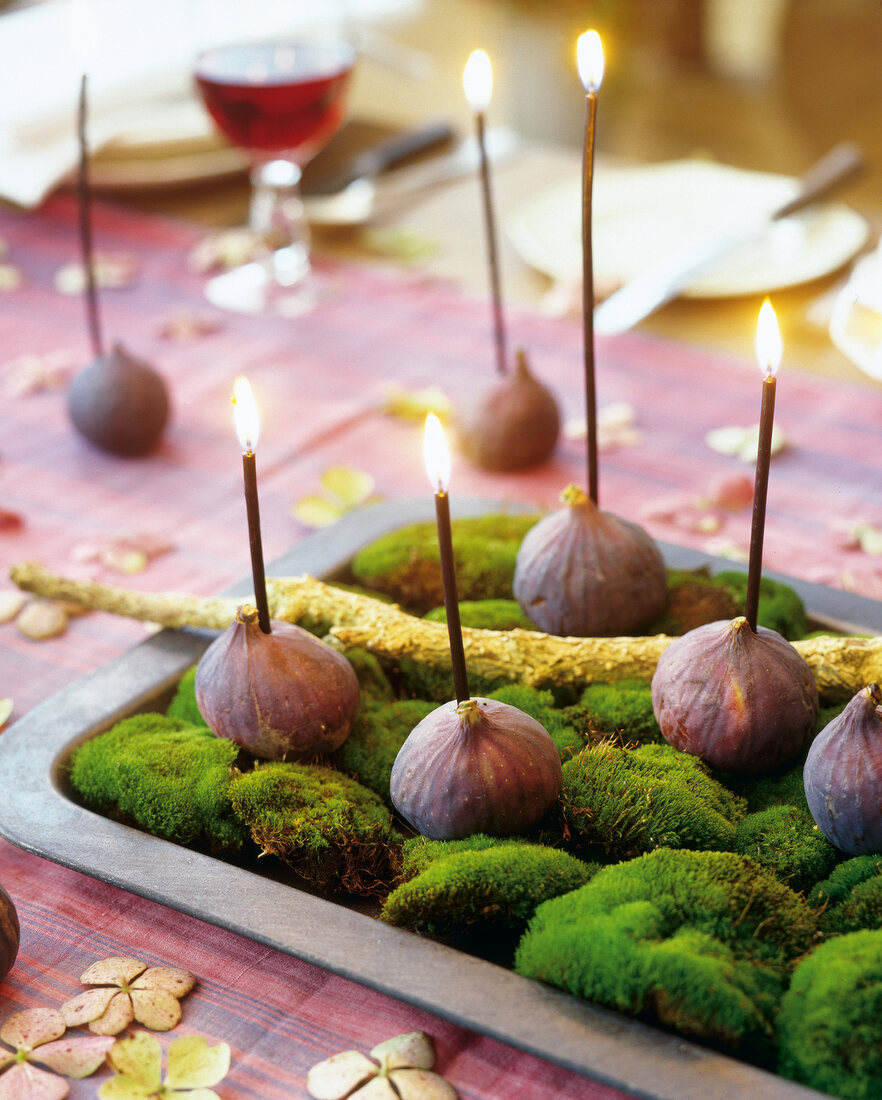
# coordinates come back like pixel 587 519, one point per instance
pixel 497 888
pixel 701 941
pixel 380 730
pixel 830 1024
pixel 418 852
pixel 405 564
pixel 540 705
pixel 623 709
pixel 784 840
pixel 486 615
pixel 373 683
pixel 783 788
pixel 183 705
pixel 826 714
pixel 172 778
pixel 779 606
pixel 626 801
pixel 851 898
pixel 332 831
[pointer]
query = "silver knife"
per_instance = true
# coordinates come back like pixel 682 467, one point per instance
pixel 664 280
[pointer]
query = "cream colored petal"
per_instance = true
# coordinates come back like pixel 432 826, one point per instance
pixel 117 1016
pixel 156 1008
pixel 113 971
pixel 336 1077
pixel 414 1050
pixel 170 978
pixel 421 1084
pixel 87 1006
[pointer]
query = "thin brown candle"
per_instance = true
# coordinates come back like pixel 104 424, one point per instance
pixel 477 79
pixel 248 429
pixel 437 459
pixel 590 61
pixel 769 352
pixel 84 193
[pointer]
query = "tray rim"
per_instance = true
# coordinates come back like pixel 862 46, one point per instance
pixel 38 817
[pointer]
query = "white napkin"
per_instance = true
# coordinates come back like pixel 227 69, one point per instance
pixel 135 52
pixel 856 322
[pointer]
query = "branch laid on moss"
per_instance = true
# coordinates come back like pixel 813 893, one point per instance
pixel 841 665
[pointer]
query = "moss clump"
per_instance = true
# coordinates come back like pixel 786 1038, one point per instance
pixel 779 606
pixel 418 852
pixel 332 831
pixel 784 840
pixel 701 941
pixel 486 615
pixel 830 1024
pixel 373 683
pixel 540 705
pixel 183 705
pixel 405 564
pixel 623 709
pixel 851 898
pixel 496 889
pixel 694 597
pixel 627 801
pixel 380 730
pixel 784 788
pixel 172 778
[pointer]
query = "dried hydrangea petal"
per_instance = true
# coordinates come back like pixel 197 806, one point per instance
pixel 110 271
pixel 415 1050
pixel 117 970
pixel 421 1084
pixel 173 979
pixel 87 1006
pixel 378 1088
pixel 118 1015
pixel 27 1082
pixel 138 1057
pixel 156 1008
pixel 193 1064
pixel 42 619
pixel 336 1077
pixel 77 1056
pixel 11 602
pixel 10 277
pixel 31 1027
pixel 6 706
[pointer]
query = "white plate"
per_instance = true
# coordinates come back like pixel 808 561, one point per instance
pixel 643 214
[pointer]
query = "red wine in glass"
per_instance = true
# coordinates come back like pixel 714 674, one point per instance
pixel 277 96
pixel 282 101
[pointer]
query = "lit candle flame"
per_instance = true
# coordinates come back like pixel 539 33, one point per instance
pixel 477 81
pixel 436 455
pixel 245 415
pixel 769 346
pixel 589 54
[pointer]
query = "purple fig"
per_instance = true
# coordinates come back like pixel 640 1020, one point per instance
pixel 742 701
pixel 843 775
pixel 282 696
pixel 119 403
pixel 480 766
pixel 512 424
pixel 585 572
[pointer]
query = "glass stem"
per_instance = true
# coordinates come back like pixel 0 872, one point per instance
pixel 278 222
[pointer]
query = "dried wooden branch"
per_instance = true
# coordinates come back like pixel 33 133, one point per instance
pixel 841 665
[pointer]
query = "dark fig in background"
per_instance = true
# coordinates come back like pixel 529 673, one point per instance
pixel 119 403
pixel 742 701
pixel 282 696
pixel 480 766
pixel 584 572
pixel 843 775
pixel 512 424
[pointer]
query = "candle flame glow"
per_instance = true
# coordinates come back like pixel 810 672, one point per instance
pixel 477 81
pixel 436 455
pixel 245 415
pixel 769 346
pixel 589 54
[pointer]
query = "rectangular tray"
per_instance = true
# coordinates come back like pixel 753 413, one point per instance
pixel 37 815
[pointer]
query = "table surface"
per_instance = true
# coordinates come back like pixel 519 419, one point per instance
pixel 684 372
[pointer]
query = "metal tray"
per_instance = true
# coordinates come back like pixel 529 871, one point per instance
pixel 37 815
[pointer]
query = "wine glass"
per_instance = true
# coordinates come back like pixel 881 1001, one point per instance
pixel 280 99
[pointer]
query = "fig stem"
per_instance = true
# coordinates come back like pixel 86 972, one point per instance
pixel 84 191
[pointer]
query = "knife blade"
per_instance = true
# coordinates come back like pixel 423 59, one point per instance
pixel 663 281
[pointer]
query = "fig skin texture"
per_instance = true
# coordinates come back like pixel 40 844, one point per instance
pixel 480 766
pixel 10 933
pixel 282 696
pixel 511 425
pixel 743 702
pixel 119 403
pixel 843 776
pixel 588 573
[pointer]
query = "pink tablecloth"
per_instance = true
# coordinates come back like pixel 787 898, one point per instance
pixel 320 382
